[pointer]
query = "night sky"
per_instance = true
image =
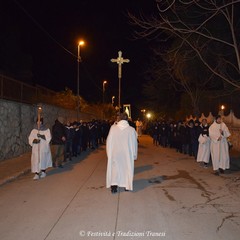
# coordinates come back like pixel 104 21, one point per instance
pixel 45 29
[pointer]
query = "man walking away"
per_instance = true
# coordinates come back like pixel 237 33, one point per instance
pixel 121 152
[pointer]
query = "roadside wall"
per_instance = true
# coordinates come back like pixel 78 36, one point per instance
pixel 17 121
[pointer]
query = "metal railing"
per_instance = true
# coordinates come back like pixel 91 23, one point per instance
pixel 14 90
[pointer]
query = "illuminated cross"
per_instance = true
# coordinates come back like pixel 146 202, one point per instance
pixel 120 60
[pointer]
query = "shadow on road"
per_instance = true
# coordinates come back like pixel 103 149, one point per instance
pixel 140 184
pixel 142 169
pixel 69 165
pixel 235 164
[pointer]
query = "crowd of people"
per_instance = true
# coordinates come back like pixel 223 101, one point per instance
pixel 201 140
pixel 67 140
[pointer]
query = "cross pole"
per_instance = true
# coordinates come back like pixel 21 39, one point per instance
pixel 120 60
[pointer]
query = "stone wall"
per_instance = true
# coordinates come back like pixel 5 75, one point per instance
pixel 17 121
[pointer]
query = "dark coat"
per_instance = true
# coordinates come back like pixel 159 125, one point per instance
pixel 58 132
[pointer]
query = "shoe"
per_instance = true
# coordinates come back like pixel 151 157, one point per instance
pixel 54 165
pixel 43 175
pixel 205 165
pixel 60 166
pixel 114 189
pixel 216 173
pixel 36 177
pixel 221 170
pixel 126 190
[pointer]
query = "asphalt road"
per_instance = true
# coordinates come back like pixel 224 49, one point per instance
pixel 173 198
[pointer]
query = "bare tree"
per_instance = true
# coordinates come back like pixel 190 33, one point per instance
pixel 210 28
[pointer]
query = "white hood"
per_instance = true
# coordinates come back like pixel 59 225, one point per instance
pixel 123 124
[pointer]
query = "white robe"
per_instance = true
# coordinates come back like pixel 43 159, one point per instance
pixel 139 126
pixel 121 150
pixel 219 149
pixel 204 151
pixel 41 157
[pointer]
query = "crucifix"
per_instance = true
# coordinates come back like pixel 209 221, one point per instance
pixel 120 60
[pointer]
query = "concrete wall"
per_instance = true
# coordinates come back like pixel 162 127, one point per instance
pixel 17 121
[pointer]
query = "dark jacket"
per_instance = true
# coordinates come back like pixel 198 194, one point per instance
pixel 58 132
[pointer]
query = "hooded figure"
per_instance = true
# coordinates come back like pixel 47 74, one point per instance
pixel 121 150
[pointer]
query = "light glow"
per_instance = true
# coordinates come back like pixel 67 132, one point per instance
pixel 149 115
pixel 81 43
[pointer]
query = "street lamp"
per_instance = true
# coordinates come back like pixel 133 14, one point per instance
pixel 143 111
pixel 113 97
pixel 149 115
pixel 80 43
pixel 104 83
pixel 222 110
pixel 39 115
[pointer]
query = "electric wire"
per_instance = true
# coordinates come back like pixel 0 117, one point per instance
pixel 90 77
pixel 42 29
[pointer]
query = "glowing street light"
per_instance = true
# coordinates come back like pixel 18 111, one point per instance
pixel 149 115
pixel 222 110
pixel 104 83
pixel 80 43
pixel 113 97
pixel 39 115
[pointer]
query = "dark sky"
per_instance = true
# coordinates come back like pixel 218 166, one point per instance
pixel 104 27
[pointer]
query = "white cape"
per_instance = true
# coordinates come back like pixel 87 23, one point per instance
pixel 121 150
pixel 219 149
pixel 41 157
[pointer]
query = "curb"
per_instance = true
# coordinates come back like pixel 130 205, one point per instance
pixel 13 178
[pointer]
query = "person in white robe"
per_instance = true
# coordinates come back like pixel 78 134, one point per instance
pixel 121 148
pixel 139 126
pixel 218 133
pixel 41 157
pixel 203 155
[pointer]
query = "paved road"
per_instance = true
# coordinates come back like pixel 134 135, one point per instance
pixel 173 198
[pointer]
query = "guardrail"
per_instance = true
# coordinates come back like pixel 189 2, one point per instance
pixel 14 90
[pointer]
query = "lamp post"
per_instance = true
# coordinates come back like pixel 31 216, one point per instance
pixel 143 111
pixel 80 43
pixel 39 115
pixel 104 83
pixel 222 110
pixel 113 97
